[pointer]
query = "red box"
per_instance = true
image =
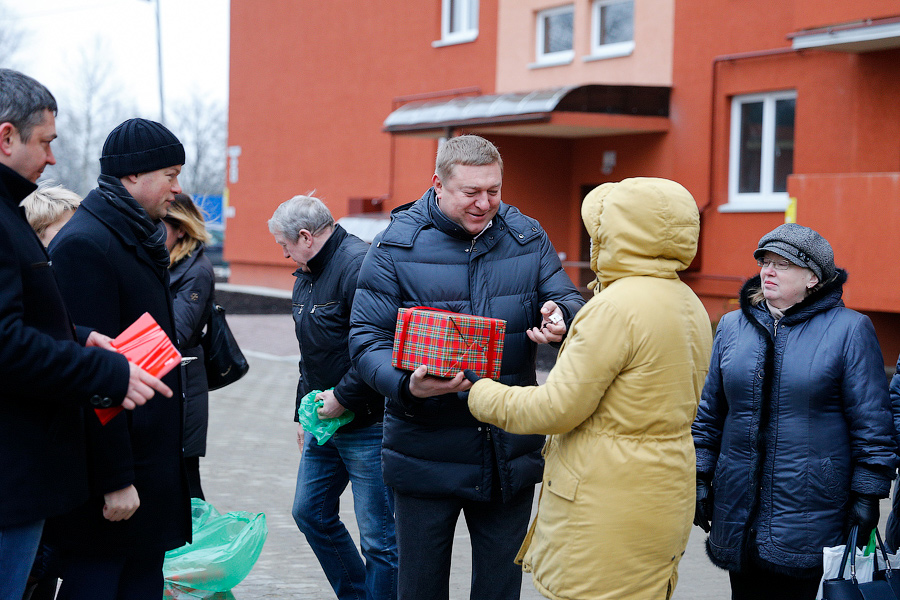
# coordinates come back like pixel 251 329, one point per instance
pixel 448 342
pixel 145 344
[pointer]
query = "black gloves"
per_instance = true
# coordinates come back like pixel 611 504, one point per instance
pixel 704 508
pixel 470 375
pixel 863 511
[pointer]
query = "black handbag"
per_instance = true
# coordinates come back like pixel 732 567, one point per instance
pixel 851 589
pixel 223 359
pixel 887 574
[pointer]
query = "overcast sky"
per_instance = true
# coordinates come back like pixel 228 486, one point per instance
pixel 194 43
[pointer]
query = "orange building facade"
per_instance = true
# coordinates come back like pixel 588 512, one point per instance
pixel 756 108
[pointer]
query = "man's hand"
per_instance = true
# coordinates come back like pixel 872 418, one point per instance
pixel 98 340
pixel 300 435
pixel 423 385
pixel 553 326
pixel 332 408
pixel 141 387
pixel 121 504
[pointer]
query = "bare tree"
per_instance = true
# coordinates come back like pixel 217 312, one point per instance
pixel 202 126
pixel 89 110
pixel 11 36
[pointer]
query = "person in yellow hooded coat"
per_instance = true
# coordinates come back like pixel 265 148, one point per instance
pixel 617 499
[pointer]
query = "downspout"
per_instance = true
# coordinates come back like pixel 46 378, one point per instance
pixel 712 140
pixel 396 102
pixel 712 126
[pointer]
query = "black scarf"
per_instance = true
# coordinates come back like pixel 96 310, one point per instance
pixel 151 234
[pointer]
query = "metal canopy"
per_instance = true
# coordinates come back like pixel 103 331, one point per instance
pixel 869 35
pixel 571 111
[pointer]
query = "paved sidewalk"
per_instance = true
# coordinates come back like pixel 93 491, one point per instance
pixel 251 465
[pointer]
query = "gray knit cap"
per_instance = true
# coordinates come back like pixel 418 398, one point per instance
pixel 802 246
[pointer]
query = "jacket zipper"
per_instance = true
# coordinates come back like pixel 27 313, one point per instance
pixel 315 306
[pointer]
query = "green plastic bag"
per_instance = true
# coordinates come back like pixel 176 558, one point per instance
pixel 223 552
pixel 322 429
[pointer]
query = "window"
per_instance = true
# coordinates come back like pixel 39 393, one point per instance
pixel 762 151
pixel 554 35
pixel 612 28
pixel 459 22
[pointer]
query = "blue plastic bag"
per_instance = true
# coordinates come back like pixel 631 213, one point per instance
pixel 322 429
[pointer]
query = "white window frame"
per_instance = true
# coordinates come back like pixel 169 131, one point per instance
pixel 602 51
pixel 561 57
pixel 466 14
pixel 765 200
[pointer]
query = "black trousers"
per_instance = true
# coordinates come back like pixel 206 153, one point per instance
pixel 425 533
pixel 192 466
pixel 757 583
pixel 131 577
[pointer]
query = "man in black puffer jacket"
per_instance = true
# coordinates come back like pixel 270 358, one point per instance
pixel 328 260
pixel 459 248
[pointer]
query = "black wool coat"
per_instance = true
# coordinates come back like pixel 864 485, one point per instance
pixel 109 280
pixel 47 376
pixel 192 281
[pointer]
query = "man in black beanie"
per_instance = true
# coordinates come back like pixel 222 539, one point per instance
pixel 112 265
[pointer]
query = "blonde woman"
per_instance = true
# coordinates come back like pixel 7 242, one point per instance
pixel 48 209
pixel 191 282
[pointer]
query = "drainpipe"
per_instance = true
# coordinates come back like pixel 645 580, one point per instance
pixel 712 137
pixel 396 102
pixel 712 129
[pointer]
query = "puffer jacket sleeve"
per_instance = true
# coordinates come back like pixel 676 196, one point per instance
pixel 373 321
pixel 352 391
pixel 555 284
pixel 867 409
pixel 574 387
pixel 895 402
pixel 707 427
pixel 190 301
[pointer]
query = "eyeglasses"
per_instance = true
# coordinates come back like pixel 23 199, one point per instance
pixel 779 265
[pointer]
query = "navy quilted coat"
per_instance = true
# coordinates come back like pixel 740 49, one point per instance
pixel 434 446
pixel 794 415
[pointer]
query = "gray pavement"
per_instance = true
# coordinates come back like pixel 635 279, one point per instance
pixel 251 465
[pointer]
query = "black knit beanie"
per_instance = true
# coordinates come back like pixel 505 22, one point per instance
pixel 140 146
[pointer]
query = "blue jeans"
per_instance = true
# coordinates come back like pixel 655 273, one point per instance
pixel 425 530
pixel 18 547
pixel 325 470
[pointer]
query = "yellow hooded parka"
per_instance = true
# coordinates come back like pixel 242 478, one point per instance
pixel 617 498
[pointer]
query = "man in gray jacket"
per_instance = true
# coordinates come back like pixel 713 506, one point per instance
pixel 459 248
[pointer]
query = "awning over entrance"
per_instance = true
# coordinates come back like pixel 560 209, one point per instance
pixel 861 36
pixel 568 112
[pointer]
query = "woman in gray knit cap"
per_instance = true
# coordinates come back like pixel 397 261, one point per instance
pixel 794 436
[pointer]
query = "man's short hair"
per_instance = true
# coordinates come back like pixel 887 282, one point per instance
pixel 47 204
pixel 300 212
pixel 467 150
pixel 23 101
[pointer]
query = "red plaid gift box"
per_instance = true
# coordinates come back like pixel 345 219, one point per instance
pixel 448 342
